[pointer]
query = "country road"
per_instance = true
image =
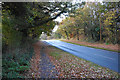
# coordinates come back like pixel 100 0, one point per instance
pixel 101 57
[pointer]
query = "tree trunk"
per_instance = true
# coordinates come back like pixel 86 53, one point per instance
pixel 67 35
pixel 84 31
pixel 92 36
pixel 71 35
pixel 77 34
pixel 24 35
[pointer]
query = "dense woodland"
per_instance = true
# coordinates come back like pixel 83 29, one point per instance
pixel 97 22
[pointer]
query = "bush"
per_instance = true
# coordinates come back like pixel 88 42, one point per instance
pixel 14 65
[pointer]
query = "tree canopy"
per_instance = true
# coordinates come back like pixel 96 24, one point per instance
pixel 27 20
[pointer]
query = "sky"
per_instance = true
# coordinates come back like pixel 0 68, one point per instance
pixel 59 19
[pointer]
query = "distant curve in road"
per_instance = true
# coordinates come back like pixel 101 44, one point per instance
pixel 101 57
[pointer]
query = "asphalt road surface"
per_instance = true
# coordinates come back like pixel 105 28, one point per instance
pixel 101 57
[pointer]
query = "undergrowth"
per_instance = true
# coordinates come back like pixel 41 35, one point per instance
pixel 14 65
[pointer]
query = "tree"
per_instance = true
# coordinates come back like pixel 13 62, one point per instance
pixel 97 21
pixel 66 27
pixel 29 20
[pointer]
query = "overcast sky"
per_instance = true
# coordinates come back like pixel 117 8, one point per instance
pixel 59 19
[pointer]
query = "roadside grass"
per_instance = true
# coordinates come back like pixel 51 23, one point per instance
pixel 92 46
pixel 70 66
pixel 14 65
pixel 56 55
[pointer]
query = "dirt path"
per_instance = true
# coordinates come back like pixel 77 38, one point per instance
pixel 41 66
pixel 46 67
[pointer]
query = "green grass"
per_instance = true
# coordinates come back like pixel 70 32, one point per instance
pixel 56 55
pixel 15 65
pixel 92 46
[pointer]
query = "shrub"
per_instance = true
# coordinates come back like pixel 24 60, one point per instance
pixel 14 65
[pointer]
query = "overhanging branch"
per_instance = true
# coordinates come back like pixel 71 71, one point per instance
pixel 45 21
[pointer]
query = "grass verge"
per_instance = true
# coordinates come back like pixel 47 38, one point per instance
pixel 92 46
pixel 70 66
